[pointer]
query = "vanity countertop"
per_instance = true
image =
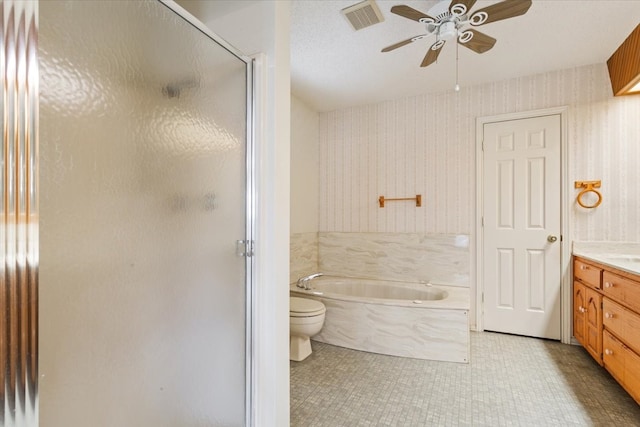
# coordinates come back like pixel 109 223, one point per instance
pixel 621 255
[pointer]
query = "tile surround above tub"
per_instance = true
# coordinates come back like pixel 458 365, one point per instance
pixel 303 255
pixel 412 257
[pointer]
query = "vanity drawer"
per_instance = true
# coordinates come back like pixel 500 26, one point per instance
pixel 613 353
pixel 632 375
pixel 623 323
pixel 587 273
pixel 623 364
pixel 621 289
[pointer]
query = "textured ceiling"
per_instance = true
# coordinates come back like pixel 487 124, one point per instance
pixel 333 66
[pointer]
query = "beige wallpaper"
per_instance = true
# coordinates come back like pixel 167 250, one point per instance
pixel 426 145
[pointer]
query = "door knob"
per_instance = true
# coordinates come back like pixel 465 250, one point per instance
pixel 551 238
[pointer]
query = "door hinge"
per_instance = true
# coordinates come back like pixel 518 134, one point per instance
pixel 244 248
pixel 482 221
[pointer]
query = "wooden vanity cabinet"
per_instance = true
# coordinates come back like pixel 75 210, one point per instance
pixel 606 320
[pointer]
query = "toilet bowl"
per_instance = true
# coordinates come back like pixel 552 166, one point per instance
pixel 306 317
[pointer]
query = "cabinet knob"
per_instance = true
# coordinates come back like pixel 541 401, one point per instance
pixel 608 352
pixel 608 315
pixel 584 267
pixel 608 284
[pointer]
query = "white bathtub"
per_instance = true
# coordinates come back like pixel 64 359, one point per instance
pixel 417 320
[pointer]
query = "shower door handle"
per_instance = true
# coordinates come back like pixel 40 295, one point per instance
pixel 244 248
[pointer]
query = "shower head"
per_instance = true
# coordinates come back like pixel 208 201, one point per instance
pixel 173 90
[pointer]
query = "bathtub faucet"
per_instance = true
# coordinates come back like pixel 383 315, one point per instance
pixel 303 282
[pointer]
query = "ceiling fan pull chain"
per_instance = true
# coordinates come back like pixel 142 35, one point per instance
pixel 457 86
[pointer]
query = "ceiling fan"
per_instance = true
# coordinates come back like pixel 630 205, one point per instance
pixel 447 20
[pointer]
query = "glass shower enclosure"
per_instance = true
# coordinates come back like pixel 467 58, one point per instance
pixel 144 214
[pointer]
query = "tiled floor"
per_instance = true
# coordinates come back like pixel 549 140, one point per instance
pixel 511 381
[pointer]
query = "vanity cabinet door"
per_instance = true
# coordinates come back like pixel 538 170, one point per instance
pixel 579 307
pixel 593 324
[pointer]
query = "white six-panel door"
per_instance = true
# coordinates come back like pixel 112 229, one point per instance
pixel 521 226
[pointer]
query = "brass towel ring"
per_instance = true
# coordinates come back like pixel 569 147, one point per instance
pixel 588 187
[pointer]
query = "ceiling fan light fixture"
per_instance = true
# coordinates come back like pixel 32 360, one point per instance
pixel 458 9
pixel 447 30
pixel 465 36
pixel 479 18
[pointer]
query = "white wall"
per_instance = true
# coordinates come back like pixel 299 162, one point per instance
pixel 305 172
pixel 305 187
pixel 254 27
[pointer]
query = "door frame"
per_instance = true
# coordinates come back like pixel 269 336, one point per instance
pixel 565 240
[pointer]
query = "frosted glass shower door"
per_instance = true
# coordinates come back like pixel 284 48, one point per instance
pixel 143 154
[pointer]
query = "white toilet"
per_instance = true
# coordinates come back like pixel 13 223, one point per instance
pixel 306 317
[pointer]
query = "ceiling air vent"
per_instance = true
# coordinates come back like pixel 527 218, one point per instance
pixel 363 14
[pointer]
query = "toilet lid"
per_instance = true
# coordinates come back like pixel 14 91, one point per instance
pixel 305 307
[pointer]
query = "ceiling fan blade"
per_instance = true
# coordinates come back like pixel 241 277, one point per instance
pixel 499 11
pixel 433 53
pixel 461 7
pixel 476 41
pixel 410 13
pixel 403 43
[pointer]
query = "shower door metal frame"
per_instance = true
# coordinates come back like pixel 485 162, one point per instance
pixel 250 200
pixel 19 219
